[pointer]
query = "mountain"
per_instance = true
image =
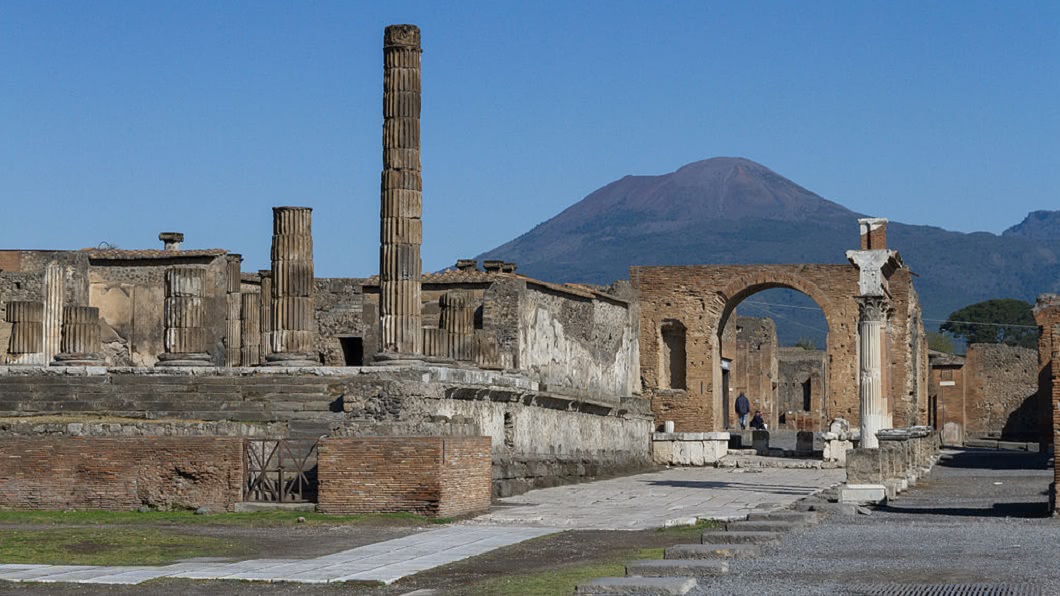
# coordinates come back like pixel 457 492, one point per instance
pixel 733 210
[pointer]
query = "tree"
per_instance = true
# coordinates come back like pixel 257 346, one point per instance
pixel 1000 321
pixel 939 342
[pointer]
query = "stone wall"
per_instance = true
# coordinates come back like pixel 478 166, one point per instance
pixel 908 354
pixel 1047 315
pixel 753 368
pixel 799 370
pixel 121 474
pixel 343 322
pixel 539 438
pixel 432 476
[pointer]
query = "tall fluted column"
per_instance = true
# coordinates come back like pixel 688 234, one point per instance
pixel 250 330
pixel 53 310
pixel 184 315
pixel 80 345
pixel 458 320
pixel 266 313
pixel 233 311
pixel 401 195
pixel 27 332
pixel 293 335
pixel 873 317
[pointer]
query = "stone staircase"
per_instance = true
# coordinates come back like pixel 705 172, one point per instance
pixel 686 566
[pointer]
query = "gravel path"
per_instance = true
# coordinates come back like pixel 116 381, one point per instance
pixel 980 518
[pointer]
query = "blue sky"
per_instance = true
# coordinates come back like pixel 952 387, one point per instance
pixel 119 120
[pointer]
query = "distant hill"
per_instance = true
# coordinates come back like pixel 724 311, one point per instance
pixel 733 210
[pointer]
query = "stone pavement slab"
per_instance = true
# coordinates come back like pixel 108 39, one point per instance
pixel 651 500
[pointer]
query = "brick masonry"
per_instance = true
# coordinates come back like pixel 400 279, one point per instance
pixel 702 297
pixel 432 476
pixel 1047 315
pixel 120 474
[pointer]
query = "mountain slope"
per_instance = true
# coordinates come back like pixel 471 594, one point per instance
pixel 733 210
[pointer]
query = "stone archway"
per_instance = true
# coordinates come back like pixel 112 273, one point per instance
pixel 702 297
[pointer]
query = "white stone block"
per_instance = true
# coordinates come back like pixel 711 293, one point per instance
pixel 863 494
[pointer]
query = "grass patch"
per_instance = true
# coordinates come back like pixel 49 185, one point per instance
pixel 114 546
pixel 561 579
pixel 256 519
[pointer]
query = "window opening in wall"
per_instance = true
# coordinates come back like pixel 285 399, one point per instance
pixel 806 394
pixel 352 351
pixel 673 355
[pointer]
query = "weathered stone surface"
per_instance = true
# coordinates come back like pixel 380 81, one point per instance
pixel 638 586
pixel 712 551
pixel 740 537
pixel 292 335
pixel 671 568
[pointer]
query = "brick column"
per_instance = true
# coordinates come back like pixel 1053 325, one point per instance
pixel 184 317
pixel 266 313
pixel 293 336
pixel 401 195
pixel 872 318
pixel 27 332
pixel 81 345
pixel 458 321
pixel 233 311
pixel 250 330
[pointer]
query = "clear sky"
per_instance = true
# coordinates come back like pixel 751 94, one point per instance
pixel 119 120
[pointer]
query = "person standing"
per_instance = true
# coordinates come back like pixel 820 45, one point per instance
pixel 743 408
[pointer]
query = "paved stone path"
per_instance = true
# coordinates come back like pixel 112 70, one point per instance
pixel 634 502
pixel 670 497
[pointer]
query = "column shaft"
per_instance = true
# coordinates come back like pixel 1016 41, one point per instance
pixel 293 333
pixel 401 200
pixel 80 345
pixel 26 345
pixel 184 316
pixel 873 408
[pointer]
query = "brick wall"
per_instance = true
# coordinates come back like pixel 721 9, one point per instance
pixel 121 473
pixel 433 476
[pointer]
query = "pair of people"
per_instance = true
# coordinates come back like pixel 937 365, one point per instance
pixel 743 408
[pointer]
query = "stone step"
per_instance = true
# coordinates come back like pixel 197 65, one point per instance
pixel 805 517
pixel 641 586
pixel 712 551
pixel 740 537
pixel 829 508
pixel 764 526
pixel 677 568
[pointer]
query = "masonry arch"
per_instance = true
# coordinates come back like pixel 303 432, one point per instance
pixel 703 298
pixel 762 378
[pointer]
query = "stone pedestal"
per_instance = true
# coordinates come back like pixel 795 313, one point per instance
pixel 401 197
pixel 27 332
pixel 184 317
pixel 873 316
pixel 293 333
pixel 80 344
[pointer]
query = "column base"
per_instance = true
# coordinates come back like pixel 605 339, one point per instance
pixel 292 359
pixel 397 359
pixel 192 359
pixel 91 359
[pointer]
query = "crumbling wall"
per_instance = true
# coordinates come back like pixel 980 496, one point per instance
pixel 1001 392
pixel 573 343
pixel 22 275
pixel 341 311
pixel 800 369
pixel 908 353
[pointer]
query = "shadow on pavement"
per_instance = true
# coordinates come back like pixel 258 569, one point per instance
pixel 747 486
pixel 990 459
pixel 1035 509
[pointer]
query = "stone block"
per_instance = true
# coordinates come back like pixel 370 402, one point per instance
pixel 764 526
pixel 740 537
pixel 863 494
pixel 662 452
pixel 760 441
pixel 804 442
pixel 865 466
pixel 640 586
pixel 712 551
pixel 791 516
pixel 677 568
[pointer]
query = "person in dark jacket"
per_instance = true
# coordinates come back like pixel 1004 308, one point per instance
pixel 743 408
pixel 757 423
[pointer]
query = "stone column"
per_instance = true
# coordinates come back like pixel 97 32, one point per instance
pixel 872 318
pixel 80 344
pixel 233 311
pixel 266 313
pixel 53 310
pixel 401 195
pixel 458 320
pixel 250 330
pixel 184 317
pixel 293 336
pixel 27 332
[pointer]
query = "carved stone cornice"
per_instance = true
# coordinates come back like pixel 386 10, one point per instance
pixel 402 36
